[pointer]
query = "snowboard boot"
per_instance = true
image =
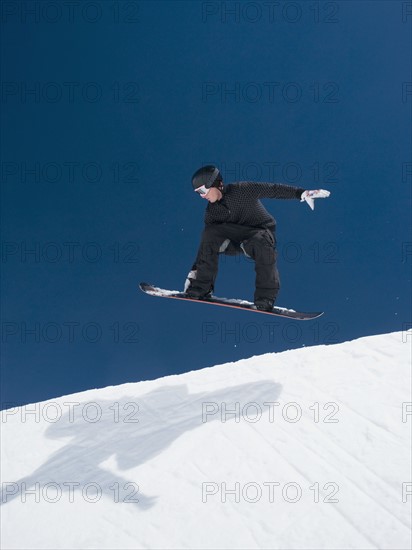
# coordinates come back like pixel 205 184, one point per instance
pixel 195 293
pixel 264 304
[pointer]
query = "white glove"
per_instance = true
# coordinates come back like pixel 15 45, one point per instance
pixel 308 196
pixel 190 276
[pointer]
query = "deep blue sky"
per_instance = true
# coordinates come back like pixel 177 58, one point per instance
pixel 310 94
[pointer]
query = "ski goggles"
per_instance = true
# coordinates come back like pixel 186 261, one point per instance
pixel 202 190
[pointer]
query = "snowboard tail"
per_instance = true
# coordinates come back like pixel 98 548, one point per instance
pixel 231 303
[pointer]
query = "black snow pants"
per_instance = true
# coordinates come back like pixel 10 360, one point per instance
pixel 232 239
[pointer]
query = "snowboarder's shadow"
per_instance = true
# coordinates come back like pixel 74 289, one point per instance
pixel 129 432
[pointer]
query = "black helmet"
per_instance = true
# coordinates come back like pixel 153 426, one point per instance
pixel 209 176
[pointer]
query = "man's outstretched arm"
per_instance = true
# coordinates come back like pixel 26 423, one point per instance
pixel 282 191
pixel 271 190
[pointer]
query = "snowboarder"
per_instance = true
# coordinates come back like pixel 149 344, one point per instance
pixel 236 222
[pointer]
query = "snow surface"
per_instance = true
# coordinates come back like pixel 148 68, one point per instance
pixel 163 464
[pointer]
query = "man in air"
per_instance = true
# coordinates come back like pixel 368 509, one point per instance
pixel 236 222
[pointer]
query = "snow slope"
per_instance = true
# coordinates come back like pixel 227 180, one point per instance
pixel 316 454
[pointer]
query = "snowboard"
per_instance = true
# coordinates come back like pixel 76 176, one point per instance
pixel 227 302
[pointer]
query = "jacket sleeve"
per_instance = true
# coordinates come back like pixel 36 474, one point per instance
pixel 271 190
